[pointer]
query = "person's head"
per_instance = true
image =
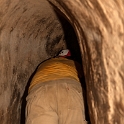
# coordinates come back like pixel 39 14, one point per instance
pixel 65 53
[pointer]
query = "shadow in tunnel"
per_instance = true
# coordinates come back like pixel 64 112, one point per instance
pixel 23 105
pixel 70 38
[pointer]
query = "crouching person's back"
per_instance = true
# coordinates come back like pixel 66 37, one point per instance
pixel 55 93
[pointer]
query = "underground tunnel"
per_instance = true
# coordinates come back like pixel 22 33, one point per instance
pixel 31 32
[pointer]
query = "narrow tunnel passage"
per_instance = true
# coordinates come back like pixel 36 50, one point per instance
pixel 32 32
pixel 55 43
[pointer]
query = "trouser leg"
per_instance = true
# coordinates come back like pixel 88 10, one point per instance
pixel 70 103
pixel 40 106
pixel 56 102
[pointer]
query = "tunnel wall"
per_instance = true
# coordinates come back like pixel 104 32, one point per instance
pixel 27 26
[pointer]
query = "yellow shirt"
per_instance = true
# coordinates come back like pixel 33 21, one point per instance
pixel 56 68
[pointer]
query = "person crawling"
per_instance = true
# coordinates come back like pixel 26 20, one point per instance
pixel 55 93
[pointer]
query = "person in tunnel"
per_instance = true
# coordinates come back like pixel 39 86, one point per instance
pixel 55 93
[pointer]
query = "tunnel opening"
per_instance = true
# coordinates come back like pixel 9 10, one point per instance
pixel 67 39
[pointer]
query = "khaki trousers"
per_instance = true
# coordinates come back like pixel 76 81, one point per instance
pixel 56 102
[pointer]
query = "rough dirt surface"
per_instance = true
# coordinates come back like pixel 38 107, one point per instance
pixel 32 31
